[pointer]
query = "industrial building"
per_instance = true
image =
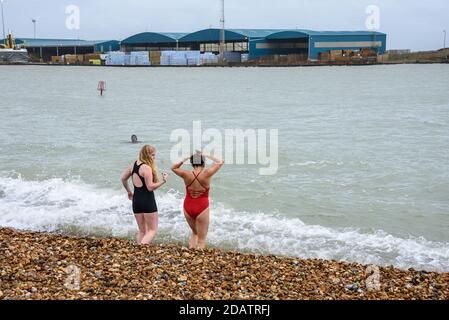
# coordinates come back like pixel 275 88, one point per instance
pixel 152 41
pixel 260 42
pixel 44 49
pixel 254 44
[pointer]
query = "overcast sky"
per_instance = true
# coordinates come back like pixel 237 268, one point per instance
pixel 410 24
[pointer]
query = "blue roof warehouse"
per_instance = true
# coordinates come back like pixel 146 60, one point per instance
pixel 260 42
pixel 46 48
pixel 257 43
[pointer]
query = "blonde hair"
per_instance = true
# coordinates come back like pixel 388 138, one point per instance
pixel 145 157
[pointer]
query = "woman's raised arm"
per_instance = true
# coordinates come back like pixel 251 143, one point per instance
pixel 218 163
pixel 176 168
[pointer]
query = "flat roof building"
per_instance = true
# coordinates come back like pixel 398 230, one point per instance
pixel 46 48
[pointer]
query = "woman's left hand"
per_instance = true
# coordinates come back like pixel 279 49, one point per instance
pixel 130 196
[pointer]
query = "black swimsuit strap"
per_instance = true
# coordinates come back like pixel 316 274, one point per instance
pixel 136 171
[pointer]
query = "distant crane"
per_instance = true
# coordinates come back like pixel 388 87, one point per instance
pixel 222 32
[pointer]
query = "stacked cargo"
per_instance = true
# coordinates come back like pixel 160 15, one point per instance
pixel 95 62
pixel 155 58
pixel 57 60
pixel 178 59
pixel 335 54
pixel 69 59
pixel 193 58
pixel 73 59
pixel 115 58
pixel 208 58
pixel 135 58
pixel 368 53
pixel 92 56
pixel 166 57
pixel 173 58
pixel 139 58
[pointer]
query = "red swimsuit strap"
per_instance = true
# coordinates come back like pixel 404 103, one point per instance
pixel 196 178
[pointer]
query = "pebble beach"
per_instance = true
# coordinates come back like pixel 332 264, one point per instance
pixel 41 266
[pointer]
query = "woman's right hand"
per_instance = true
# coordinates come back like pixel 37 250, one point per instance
pixel 130 196
pixel 165 176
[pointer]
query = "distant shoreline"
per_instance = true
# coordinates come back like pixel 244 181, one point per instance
pixel 236 66
pixel 36 266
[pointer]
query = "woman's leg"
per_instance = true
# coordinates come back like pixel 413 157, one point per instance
pixel 151 221
pixel 202 227
pixel 142 227
pixel 193 243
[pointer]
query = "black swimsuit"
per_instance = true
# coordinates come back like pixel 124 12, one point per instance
pixel 143 200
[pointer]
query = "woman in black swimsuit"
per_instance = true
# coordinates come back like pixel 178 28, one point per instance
pixel 145 181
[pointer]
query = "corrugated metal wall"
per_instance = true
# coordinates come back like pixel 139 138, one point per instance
pixel 315 44
pixel 326 43
pixel 107 46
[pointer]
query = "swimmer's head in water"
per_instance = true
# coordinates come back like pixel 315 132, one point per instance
pixel 198 160
pixel 133 138
pixel 148 156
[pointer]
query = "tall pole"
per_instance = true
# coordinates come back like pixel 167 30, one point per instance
pixel 34 23
pixel 222 33
pixel 444 41
pixel 3 23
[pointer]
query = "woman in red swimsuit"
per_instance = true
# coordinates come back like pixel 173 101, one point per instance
pixel 196 203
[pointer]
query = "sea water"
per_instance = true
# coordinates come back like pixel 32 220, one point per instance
pixel 363 156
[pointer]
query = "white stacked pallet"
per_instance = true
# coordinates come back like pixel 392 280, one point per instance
pixel 139 58
pixel 115 58
pixel 193 58
pixel 166 57
pixel 178 59
pixel 208 58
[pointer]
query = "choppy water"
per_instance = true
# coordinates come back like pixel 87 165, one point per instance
pixel 363 156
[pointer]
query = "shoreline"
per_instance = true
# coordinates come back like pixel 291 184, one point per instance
pixel 38 266
pixel 355 64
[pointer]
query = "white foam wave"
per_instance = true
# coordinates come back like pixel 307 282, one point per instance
pixel 59 205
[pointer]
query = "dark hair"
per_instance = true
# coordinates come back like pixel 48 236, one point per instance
pixel 133 137
pixel 198 160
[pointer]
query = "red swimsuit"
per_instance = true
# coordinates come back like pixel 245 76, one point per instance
pixel 196 201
